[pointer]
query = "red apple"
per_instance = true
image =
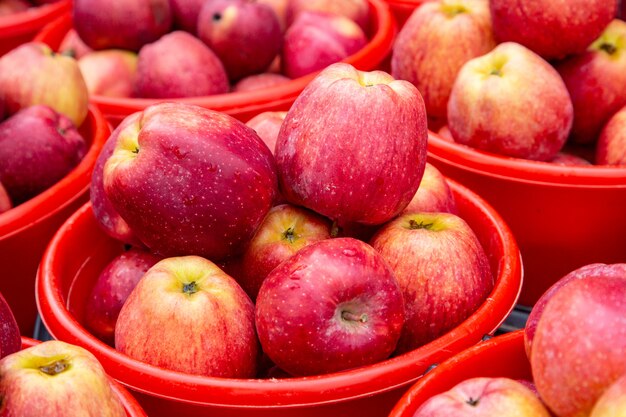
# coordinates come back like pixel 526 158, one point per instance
pixel 38 147
pixel 260 81
pixel 353 145
pixel 245 35
pixel 280 8
pixel 433 195
pixel 551 28
pixel 56 379
pixel 442 270
pixel 110 72
pixel 9 7
pixel 125 24
pixel 73 45
pixel 568 159
pixel 179 65
pixel 10 339
pixel 612 403
pixel 611 147
pixel 435 42
pixel 334 305
pixel 189 180
pixel 484 397
pixel 596 80
pixel 267 125
pixel 579 348
pixel 5 200
pixel 445 134
pixel 189 299
pixel 356 10
pixel 33 74
pixel 185 13
pixel 510 102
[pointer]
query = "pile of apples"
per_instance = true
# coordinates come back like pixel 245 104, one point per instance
pixel 575 340
pixel 189 48
pixel 10 7
pixel 521 79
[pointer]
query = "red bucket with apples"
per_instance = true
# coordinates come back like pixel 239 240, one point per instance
pixel 245 105
pixel 26 229
pixel 23 26
pixel 563 217
pixel 80 250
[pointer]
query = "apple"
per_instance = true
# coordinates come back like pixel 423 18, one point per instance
pixel 179 65
pixel 267 125
pixel 109 73
pixel 285 230
pixel 10 339
pixel 72 45
pixel 260 81
pixel 189 180
pixel 5 200
pixel 568 159
pixel 356 10
pixel 442 270
pixel 353 146
pixel 596 81
pixel 9 7
pixel 38 147
pixel 433 194
pixel 445 134
pixel 124 24
pixel 612 403
pixel 243 52
pixel 579 347
pixel 510 102
pixel 611 146
pixel 33 74
pixel 280 8
pixel 334 305
pixel 189 300
pixel 317 40
pixel 551 28
pixel 484 397
pixel 185 13
pixel 57 379
pixel 112 288
pixel 435 42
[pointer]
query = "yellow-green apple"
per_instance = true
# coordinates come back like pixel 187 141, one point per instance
pixel 484 397
pixel 38 147
pixel 112 288
pixel 267 125
pixel 109 72
pixel 179 65
pixel 334 305
pixel 185 14
pixel 34 74
pixel 10 339
pixel 123 24
pixel 596 81
pixel 510 102
pixel 611 146
pixel 552 29
pixel 244 34
pixel 190 299
pixel 612 403
pixel 356 10
pixel 579 347
pixel 315 40
pixel 353 145
pixel 433 194
pixel 285 230
pixel 434 43
pixel 189 180
pixel 280 8
pixel 5 200
pixel 9 7
pixel 57 379
pixel 442 270
pixel 260 81
pixel 72 45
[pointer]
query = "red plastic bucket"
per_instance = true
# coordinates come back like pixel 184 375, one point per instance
pixel 80 250
pixel 245 105
pixel 502 356
pixel 402 9
pixel 563 217
pixel 22 27
pixel 26 229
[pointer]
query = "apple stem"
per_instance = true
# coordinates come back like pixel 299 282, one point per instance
pixel 413 225
pixel 472 401
pixel 136 150
pixel 55 368
pixel 334 229
pixel 348 316
pixel 608 48
pixel 289 235
pixel 190 288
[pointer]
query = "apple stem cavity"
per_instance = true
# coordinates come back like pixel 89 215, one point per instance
pixel 190 288
pixel 217 17
pixel 55 367
pixel 289 235
pixel 609 48
pixel 451 10
pixel 496 71
pixel 472 401
pixel 349 316
pixel 414 225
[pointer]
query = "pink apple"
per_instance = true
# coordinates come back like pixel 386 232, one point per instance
pixel 280 8
pixel 551 28
pixel 260 81
pixel 285 230
pixel 33 74
pixel 190 299
pixel 10 339
pixel 569 159
pixel 433 194
pixel 445 134
pixel 334 305
pixel 221 26
pixel 5 200
pixel 612 403
pixel 356 10
pixel 510 102
pixel 114 285
pixel 484 397
pixel 435 42
pixel 442 270
pixel 611 147
pixel 267 125
pixel 579 347
pixel 57 379
pixel 189 180
pixel 316 40
pixel 353 146
pixel 73 45
pixel 109 73
pixel 9 7
pixel 185 13
pixel 38 147
pixel 179 65
pixel 124 24
pixel 596 80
